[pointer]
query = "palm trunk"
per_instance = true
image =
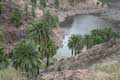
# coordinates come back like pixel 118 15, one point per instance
pixel 75 53
pixel 47 63
pixel 33 11
pixel 78 52
pixel 72 52
pixel 36 75
pixel 38 41
pixel 87 45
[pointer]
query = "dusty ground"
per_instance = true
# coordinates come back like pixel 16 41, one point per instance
pixel 79 74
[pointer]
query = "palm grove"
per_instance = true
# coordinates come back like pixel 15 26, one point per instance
pixel 78 42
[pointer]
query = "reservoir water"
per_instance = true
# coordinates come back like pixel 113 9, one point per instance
pixel 80 25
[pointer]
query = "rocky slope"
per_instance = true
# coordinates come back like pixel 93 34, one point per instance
pixel 79 74
pixel 113 12
pixel 76 68
pixel 89 57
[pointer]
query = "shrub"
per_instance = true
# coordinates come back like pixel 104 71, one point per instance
pixel 4 62
pixel 43 3
pixel 16 17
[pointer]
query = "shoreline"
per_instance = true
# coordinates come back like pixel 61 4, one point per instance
pixel 73 13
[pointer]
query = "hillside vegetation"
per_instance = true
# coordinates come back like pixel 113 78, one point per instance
pixel 28 44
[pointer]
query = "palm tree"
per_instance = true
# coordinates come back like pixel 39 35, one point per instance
pixel 50 51
pixel 43 3
pixel 26 57
pixel 16 16
pixel 34 4
pixel 95 36
pixel 87 41
pixel 98 36
pixel 51 20
pixel 40 31
pixel 47 50
pixel 101 35
pixel 70 45
pixel 108 33
pixel 76 44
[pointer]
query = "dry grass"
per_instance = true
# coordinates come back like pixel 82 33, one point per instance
pixel 110 72
pixel 11 74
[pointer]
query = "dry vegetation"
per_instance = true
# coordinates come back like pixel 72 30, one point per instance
pixel 11 74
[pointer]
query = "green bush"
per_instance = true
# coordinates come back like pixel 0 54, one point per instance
pixel 16 17
pixel 4 62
